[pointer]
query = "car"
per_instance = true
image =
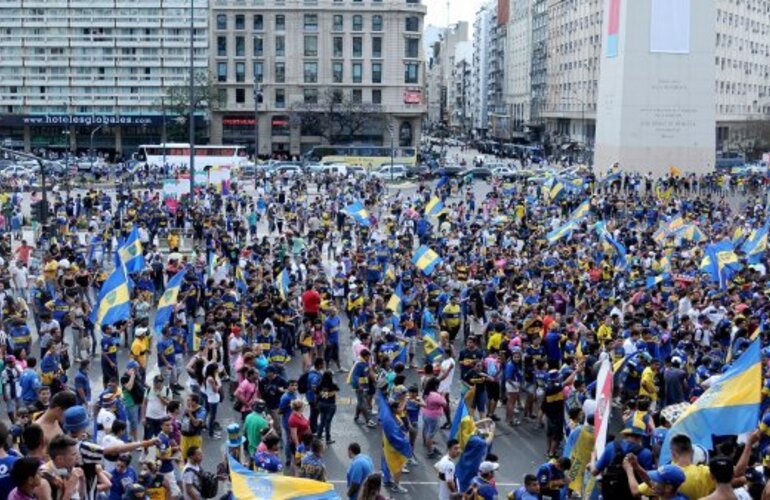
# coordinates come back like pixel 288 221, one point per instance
pixel 504 172
pixel 386 173
pixel 287 171
pixel 248 171
pixel 334 168
pixel 313 167
pixel 357 171
pixel 17 172
pixel 450 171
pixel 478 173
pixel 418 171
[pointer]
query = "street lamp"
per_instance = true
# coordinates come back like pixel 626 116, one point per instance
pixel 192 99
pixel 257 101
pixel 44 191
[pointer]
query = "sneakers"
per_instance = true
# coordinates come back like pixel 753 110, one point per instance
pixel 412 461
pixel 397 488
pixel 405 470
pixel 371 424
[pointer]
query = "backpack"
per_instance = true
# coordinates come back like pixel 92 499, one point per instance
pixel 209 485
pixel 614 478
pixel 302 383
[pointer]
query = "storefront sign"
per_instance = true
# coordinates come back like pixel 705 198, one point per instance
pixel 412 96
pixel 55 120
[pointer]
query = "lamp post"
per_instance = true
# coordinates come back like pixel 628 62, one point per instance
pixel 94 131
pixel 257 102
pixel 43 189
pixel 192 99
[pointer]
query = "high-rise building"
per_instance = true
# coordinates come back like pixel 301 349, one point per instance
pixel 441 67
pixel 482 28
pixel 518 53
pixel 74 71
pixel 458 95
pixel 328 71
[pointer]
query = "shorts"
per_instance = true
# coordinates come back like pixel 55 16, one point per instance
pixel 332 352
pixel 554 429
pixel 530 388
pixel 493 390
pixel 429 427
pixel 512 387
pixel 480 400
pixel 172 484
pixel 133 417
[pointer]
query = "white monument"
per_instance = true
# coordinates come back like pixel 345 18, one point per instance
pixel 656 89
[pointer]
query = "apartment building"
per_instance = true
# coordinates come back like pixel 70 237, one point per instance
pixel 458 94
pixel 76 71
pixel 441 68
pixel 518 54
pixel 314 60
pixel 482 27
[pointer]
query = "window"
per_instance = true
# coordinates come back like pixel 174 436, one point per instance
pixel 280 46
pixel 412 47
pixel 376 96
pixel 311 22
pixel 412 1
pixel 337 72
pixel 280 22
pixel 310 96
pixel 376 46
pixel 358 96
pixel 280 98
pixel 240 72
pixel 222 72
pixel 280 72
pixel 221 22
pixel 240 46
pixel 280 126
pixel 358 22
pixel 337 23
pixel 259 46
pixel 411 72
pixel 259 24
pixel 337 96
pixel 357 72
pixel 311 46
pixel 377 23
pixel 222 95
pixel 376 72
pixel 358 50
pixel 221 45
pixel 337 46
pixel 259 71
pixel 412 23
pixel 240 22
pixel 240 96
pixel 311 72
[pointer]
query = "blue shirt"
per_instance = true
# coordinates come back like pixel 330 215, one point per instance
pixel 359 469
pixel 120 481
pixel 484 489
pixel 30 383
pixel 267 462
pixel 82 382
pixel 523 494
pixel 547 473
pixel 644 457
pixel 552 346
pixel 359 379
pixel 332 329
pixel 285 407
pixel 110 347
pixel 313 379
pixel 166 350
pixel 6 485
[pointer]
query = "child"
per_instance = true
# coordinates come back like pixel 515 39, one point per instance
pixel 665 481
pixel 413 404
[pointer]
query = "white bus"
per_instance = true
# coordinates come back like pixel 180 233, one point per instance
pixel 178 154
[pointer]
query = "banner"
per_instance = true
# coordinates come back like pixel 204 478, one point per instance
pixel 603 405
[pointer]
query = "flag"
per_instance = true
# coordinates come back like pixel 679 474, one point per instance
pixel 240 280
pixel 113 303
pixel 463 426
pixel 131 252
pixel 390 273
pixel 620 260
pixel 664 195
pixel 168 301
pixel 556 191
pixel 581 211
pixel 249 485
pixel 756 244
pixel 666 229
pixel 653 281
pixel 560 232
pixel 426 260
pixel 434 207
pixel 690 232
pixel 720 262
pixel 468 464
pixel 212 263
pixel 433 352
pixel 603 405
pixel 396 301
pixel 282 282
pixel 358 212
pixel 674 171
pixel 580 457
pixel 400 356
pixel 730 406
pixel 395 442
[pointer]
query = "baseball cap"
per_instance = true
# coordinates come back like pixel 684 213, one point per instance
pixel 668 474
pixel 633 431
pixel 487 467
pixel 75 419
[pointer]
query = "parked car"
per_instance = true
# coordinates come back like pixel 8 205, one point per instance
pixel 450 171
pixel 17 172
pixel 478 173
pixel 334 168
pixel 387 173
pixel 418 172
pixel 504 172
pixel 287 171
pixel 357 171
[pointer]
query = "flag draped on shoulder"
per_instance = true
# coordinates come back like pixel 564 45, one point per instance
pixel 282 282
pixel 169 300
pixel 729 406
pixel 463 426
pixel 434 207
pixel 113 303
pixel 395 442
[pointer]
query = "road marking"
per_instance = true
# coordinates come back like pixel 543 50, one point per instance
pixel 421 483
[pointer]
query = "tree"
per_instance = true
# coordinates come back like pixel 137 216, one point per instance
pixel 206 98
pixel 336 117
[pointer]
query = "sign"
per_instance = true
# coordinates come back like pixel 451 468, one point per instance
pixel 412 97
pixel 613 29
pixel 57 120
pixel 670 26
pixel 238 121
pixel 279 122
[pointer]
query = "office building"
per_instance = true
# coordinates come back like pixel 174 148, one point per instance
pixel 441 69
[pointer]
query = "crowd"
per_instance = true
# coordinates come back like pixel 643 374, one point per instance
pixel 466 308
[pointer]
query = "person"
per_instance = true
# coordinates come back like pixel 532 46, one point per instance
pixel 326 394
pixel 370 490
pixel 446 470
pixel 212 388
pixel 551 477
pixel 193 423
pixel 435 403
pixel 121 476
pixel 721 470
pixel 610 462
pixel 530 490
pixel 191 474
pixel 297 427
pixel 153 412
pixel 361 380
pixel 665 481
pixel 482 485
pixel 167 449
pixel 26 479
pixel 6 463
pixel 266 459
pixel 255 426
pixel 312 466
pixel 359 469
pixel 62 477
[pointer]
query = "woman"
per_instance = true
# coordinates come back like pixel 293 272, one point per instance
pixel 247 392
pixel 434 408
pixel 370 490
pixel 327 405
pixel 211 391
pixel 299 425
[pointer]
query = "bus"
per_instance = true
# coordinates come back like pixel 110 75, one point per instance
pixel 369 157
pixel 179 154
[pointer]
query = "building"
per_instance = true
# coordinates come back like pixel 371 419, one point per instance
pixel 328 71
pixel 497 105
pixel 538 68
pixel 441 67
pixel 75 72
pixel 482 27
pixel 459 92
pixel 518 53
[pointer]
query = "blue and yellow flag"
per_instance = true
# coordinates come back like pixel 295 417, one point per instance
pixel 250 485
pixel 620 260
pixel 756 244
pixel 581 211
pixel 434 207
pixel 433 352
pixel 556 191
pixel 560 232
pixel 468 464
pixel 729 407
pixel 720 262
pixel 463 426
pixel 426 260
pixel 358 211
pixel 113 303
pixel 131 254
pixel 653 281
pixel 282 282
pixel 240 280
pixel 168 301
pixel 213 259
pixel 396 301
pixel 395 442
pixel 690 232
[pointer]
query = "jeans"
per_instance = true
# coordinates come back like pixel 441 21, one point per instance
pixel 313 417
pixel 211 409
pixel 327 411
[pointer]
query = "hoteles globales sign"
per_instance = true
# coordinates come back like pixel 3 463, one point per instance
pixel 84 120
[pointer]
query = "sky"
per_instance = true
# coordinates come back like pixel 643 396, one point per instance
pixel 460 10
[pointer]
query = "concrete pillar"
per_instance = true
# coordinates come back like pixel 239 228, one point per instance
pixel 118 140
pixel 27 139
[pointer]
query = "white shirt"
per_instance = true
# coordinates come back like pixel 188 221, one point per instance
pixel 447 366
pixel 446 467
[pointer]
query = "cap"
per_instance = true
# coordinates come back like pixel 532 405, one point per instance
pixel 140 332
pixel 633 431
pixel 75 419
pixel 668 474
pixel 487 467
pixel 399 390
pixel 234 438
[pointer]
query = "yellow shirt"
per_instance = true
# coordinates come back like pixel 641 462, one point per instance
pixel 604 333
pixel 698 483
pixel 494 341
pixel 139 349
pixel 647 386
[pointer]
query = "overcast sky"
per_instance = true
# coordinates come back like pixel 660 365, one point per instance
pixel 460 10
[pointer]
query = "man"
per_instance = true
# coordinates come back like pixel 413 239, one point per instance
pixel 332 333
pixel 446 470
pixel 553 407
pixel 361 380
pixel 191 474
pixel 268 460
pixel 311 302
pixel 451 317
pixel 666 481
pixel 647 387
pixel 721 469
pixel 311 466
pixel 482 486
pixel 121 475
pixel 83 384
pixel 313 379
pixel 675 383
pixel 168 447
pixel 359 469
pixel 6 463
pixel 272 388
pixel 30 382
pixel 255 426
pixel 53 417
pixel 110 344
pixel 63 454
pixel 193 423
pixel 550 477
pixel 530 490
pixel 610 462
pixel 154 406
pixel 167 356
